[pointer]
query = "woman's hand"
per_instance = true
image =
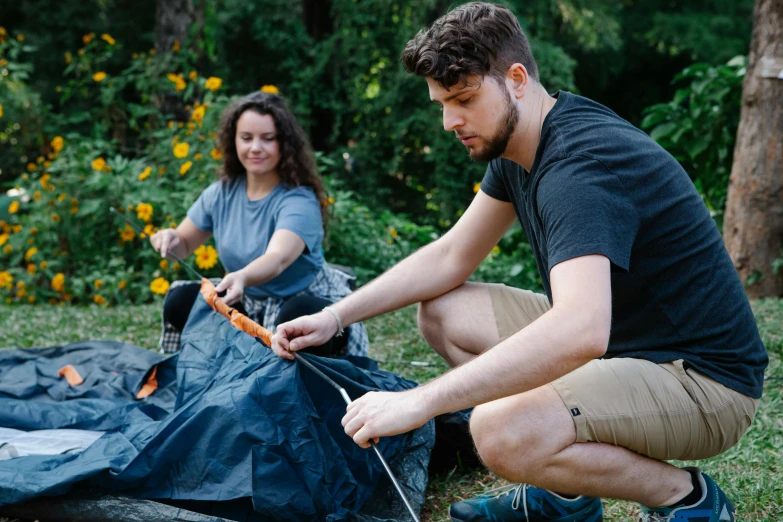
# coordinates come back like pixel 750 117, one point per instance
pixel 165 240
pixel 234 285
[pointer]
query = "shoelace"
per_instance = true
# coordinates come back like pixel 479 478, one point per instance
pixel 520 496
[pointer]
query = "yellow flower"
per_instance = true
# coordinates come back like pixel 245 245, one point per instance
pixel 108 39
pixel 215 154
pixel 3 240
pixel 99 76
pixel 122 284
pixel 185 167
pixel 44 265
pixel 68 58
pixel 175 266
pixel 30 253
pixel 21 293
pixel 13 207
pixel 192 75
pixel 177 80
pixel 98 299
pixel 181 150
pixel 31 299
pixel 74 210
pixel 17 229
pixel 271 89
pixel 175 47
pixel 164 264
pixel 476 187
pixel 30 241
pixel 87 38
pixel 20 37
pixel 197 156
pixel 127 234
pixel 1 111
pixel 330 201
pixel 45 179
pixel 393 232
pixel 61 197
pixel 56 218
pixel 159 286
pixel 3 62
pixel 8 249
pixel 31 269
pixel 213 83
pixel 57 144
pixel 206 256
pixel 31 167
pixel 144 212
pixel 33 231
pixel 20 284
pixel 5 278
pixel 98 163
pixel 74 202
pixel 198 113
pixel 145 174
pixel 97 283
pixel 496 250
pixel 149 230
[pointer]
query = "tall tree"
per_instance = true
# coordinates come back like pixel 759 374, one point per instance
pixel 753 226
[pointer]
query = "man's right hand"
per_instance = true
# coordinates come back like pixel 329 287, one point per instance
pixel 165 240
pixel 303 332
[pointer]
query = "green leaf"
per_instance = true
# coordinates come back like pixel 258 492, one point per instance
pixel 662 131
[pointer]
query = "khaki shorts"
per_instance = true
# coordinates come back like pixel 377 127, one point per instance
pixel 664 411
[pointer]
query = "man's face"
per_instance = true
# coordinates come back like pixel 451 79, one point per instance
pixel 482 114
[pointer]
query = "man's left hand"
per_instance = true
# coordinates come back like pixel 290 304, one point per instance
pixel 382 414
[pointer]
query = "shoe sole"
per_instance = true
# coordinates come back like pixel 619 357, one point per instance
pixel 591 517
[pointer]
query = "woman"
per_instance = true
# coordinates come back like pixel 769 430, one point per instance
pixel 268 221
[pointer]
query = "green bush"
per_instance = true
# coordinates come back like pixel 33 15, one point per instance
pixel 699 126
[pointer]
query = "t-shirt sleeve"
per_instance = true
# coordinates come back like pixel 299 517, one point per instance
pixel 586 210
pixel 202 211
pixel 492 185
pixel 300 213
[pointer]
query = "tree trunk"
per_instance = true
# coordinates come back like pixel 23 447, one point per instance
pixel 753 226
pixel 172 19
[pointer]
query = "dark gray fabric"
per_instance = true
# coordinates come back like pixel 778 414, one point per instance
pixel 601 186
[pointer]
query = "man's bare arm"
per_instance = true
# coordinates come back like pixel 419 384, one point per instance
pixel 436 268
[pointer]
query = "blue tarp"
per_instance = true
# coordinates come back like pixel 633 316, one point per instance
pixel 229 420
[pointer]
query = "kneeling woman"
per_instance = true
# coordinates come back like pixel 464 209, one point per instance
pixel 268 221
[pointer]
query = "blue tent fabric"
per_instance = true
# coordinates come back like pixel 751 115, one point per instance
pixel 230 420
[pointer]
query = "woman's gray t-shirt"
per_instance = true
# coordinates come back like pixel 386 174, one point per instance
pixel 601 186
pixel 243 228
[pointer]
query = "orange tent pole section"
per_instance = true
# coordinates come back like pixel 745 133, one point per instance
pixel 238 320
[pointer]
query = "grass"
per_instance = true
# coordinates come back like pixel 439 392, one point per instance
pixel 751 473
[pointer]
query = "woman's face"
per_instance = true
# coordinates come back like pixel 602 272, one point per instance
pixel 256 143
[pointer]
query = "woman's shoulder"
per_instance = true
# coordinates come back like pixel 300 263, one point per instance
pixel 301 193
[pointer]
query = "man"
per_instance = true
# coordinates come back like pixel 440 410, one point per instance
pixel 644 348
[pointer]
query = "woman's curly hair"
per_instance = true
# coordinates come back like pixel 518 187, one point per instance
pixel 297 164
pixel 474 39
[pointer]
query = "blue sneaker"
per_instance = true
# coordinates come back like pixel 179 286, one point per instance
pixel 527 504
pixel 713 506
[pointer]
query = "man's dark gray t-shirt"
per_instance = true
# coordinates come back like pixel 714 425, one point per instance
pixel 601 186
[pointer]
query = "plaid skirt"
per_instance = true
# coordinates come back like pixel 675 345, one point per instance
pixel 330 284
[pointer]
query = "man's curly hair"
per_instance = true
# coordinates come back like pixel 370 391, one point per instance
pixel 477 38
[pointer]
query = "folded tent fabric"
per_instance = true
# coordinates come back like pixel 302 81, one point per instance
pixel 229 420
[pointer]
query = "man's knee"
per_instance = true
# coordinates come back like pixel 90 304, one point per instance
pixel 502 449
pixel 517 435
pixel 431 318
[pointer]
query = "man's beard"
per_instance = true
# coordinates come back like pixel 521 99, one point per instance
pixel 496 145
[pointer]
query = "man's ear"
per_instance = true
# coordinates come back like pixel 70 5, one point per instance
pixel 518 79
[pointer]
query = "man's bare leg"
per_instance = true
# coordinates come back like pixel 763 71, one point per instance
pixel 531 437
pixel 460 324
